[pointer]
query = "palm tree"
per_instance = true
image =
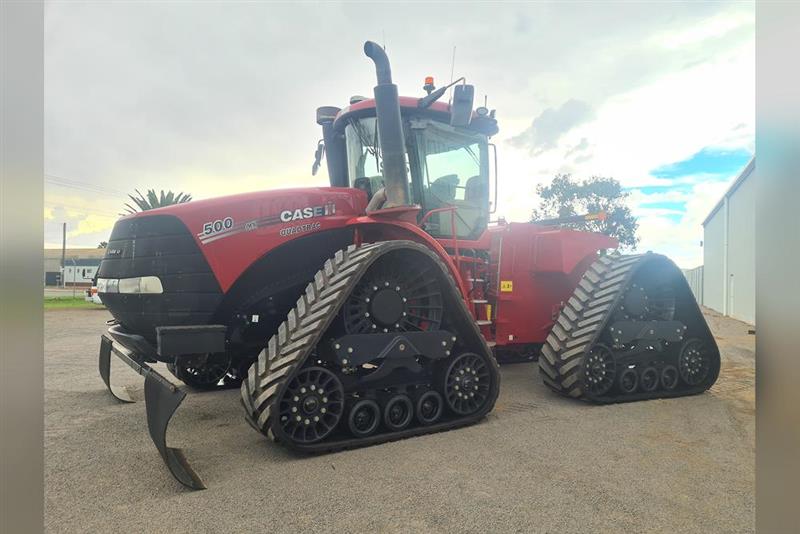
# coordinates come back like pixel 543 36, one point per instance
pixel 153 201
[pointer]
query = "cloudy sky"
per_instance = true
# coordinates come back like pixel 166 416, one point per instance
pixel 214 99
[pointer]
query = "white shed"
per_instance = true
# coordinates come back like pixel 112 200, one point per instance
pixel 729 250
pixel 80 272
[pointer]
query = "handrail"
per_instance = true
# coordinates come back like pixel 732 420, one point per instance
pixel 437 210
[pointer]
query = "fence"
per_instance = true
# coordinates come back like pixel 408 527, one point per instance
pixel 695 279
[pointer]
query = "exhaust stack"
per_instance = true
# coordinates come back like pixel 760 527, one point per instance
pixel 390 129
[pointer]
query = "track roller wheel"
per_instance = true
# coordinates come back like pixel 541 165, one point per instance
pixel 467 384
pixel 649 379
pixel 628 381
pixel 398 413
pixel 669 377
pixel 693 362
pixel 365 416
pixel 429 407
pixel 311 405
pixel 599 370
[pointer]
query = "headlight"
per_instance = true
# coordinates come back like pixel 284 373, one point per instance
pixel 140 284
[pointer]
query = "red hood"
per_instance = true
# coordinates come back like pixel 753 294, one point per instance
pixel 236 230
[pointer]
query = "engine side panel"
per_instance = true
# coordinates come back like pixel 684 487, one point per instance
pixel 538 270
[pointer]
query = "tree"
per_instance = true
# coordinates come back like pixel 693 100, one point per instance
pixel 103 244
pixel 565 197
pixel 153 201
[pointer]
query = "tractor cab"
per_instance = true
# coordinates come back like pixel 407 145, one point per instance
pixel 445 153
pixel 448 167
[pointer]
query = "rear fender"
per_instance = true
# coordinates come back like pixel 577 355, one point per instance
pixel 372 229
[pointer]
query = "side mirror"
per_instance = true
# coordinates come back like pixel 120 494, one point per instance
pixel 318 157
pixel 461 109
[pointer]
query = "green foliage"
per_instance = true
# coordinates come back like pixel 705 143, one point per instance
pixel 566 197
pixel 70 303
pixel 153 201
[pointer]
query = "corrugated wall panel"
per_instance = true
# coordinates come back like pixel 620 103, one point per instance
pixel 741 252
pixel 713 254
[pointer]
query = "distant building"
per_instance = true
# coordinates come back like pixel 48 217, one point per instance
pixel 728 284
pixel 81 265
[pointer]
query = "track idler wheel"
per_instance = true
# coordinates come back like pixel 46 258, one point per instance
pixel 364 418
pixel 628 381
pixel 429 407
pixel 398 413
pixel 467 384
pixel 693 362
pixel 600 370
pixel 649 380
pixel 312 405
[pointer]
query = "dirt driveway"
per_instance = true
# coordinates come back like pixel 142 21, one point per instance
pixel 539 463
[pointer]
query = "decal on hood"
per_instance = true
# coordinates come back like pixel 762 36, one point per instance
pixel 226 226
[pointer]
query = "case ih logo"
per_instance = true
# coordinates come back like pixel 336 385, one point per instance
pixel 226 227
pixel 308 213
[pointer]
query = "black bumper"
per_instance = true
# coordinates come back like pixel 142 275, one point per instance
pixel 172 341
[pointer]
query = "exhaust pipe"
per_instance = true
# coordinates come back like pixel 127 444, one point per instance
pixel 390 129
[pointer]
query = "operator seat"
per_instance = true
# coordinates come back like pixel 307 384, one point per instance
pixel 470 216
pixel 476 190
pixel 443 190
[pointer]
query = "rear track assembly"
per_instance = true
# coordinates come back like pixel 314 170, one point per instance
pixel 631 331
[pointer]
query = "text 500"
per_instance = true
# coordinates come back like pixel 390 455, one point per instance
pixel 220 225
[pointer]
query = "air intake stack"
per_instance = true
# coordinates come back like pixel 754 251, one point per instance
pixel 390 129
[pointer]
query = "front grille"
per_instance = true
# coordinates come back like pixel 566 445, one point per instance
pixel 162 246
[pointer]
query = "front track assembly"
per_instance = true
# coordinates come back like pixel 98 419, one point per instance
pixel 632 330
pixel 379 347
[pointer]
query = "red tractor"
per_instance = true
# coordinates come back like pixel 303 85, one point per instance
pixel 376 309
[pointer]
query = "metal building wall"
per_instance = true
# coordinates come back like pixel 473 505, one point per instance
pixel 741 252
pixel 729 251
pixel 713 253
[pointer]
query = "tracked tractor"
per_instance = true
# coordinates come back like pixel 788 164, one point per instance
pixel 377 308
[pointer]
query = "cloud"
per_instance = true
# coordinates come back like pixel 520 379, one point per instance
pixel 580 147
pixel 219 99
pixel 551 125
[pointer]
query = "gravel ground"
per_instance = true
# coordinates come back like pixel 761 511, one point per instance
pixel 538 463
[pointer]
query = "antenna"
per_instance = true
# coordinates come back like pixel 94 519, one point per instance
pixel 383 33
pixel 452 71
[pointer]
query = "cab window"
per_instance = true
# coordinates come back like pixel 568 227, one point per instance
pixel 364 168
pixel 454 172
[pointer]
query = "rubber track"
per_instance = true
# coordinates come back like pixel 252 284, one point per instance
pixel 304 327
pixel 581 322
